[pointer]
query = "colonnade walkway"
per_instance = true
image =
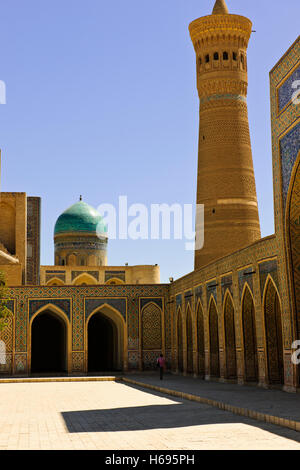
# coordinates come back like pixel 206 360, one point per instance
pixel 266 405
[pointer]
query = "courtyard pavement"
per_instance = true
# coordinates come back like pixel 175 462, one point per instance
pixel 118 416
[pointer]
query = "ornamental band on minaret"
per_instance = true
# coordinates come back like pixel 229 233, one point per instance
pixel 226 183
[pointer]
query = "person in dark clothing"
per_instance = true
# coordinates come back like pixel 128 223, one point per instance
pixel 161 363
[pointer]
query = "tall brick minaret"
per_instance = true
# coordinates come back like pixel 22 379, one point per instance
pixel 226 183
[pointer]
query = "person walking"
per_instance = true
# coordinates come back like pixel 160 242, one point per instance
pixel 161 363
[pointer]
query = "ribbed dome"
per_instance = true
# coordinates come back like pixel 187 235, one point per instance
pixel 80 218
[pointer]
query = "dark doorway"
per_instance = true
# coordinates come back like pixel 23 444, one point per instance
pixel 48 344
pixel 101 344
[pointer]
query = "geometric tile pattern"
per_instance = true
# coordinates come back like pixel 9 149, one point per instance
pixel 289 148
pixel 151 327
pixel 286 90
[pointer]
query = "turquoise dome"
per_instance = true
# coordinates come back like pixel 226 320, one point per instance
pixel 80 218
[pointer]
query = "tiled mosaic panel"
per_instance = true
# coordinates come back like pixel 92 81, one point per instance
pixel 94 274
pixel 92 304
pixel 211 290
pixel 289 149
pixel 168 327
pixel 178 300
pixel 269 267
pixel 294 224
pixel 133 360
pixel 150 359
pixel 286 90
pixel 245 276
pixel 226 283
pixel 199 294
pixel 20 363
pixel 55 275
pixel 115 274
pixel 133 324
pixel 151 327
pixel 33 240
pixel 63 304
pixel 77 361
pixel 188 298
pixel 273 335
pixel 145 301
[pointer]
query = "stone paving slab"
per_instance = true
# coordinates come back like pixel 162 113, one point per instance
pixel 111 415
pixel 274 406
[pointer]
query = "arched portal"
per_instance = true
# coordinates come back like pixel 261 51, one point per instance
pixel 48 343
pixel 179 341
pixel 273 328
pixel 214 340
pixel 105 340
pixel 189 341
pixel 231 370
pixel 249 335
pixel 200 341
pixel 293 234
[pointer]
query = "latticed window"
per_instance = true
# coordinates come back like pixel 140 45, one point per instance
pixel 151 327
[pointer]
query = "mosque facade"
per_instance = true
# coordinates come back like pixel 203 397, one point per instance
pixel 236 316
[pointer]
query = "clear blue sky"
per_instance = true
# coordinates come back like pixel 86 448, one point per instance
pixel 102 101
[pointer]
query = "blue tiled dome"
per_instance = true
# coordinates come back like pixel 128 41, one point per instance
pixel 80 218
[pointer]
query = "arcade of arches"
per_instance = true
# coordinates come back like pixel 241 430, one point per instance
pixel 220 342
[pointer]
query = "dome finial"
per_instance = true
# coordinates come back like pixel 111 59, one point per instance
pixel 220 8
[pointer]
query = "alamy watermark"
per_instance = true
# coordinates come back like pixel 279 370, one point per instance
pixel 296 355
pixel 2 92
pixel 296 94
pixel 159 221
pixel 2 353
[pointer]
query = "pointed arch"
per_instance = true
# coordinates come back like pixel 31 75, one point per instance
pixel 105 327
pixel 84 279
pixel 50 339
pixel 249 335
pixel 114 281
pixel 229 330
pixel 214 338
pixel 189 340
pixel 200 339
pixel 292 219
pixel 273 332
pixel 179 340
pixel 55 281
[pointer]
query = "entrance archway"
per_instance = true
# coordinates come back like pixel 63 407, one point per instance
pixel 189 341
pixel 179 341
pixel 273 330
pixel 48 343
pixel 249 334
pixel 229 327
pixel 200 341
pixel 105 341
pixel 293 244
pixel 214 339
